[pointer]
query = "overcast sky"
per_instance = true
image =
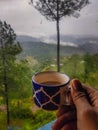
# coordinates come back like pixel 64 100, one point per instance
pixel 24 19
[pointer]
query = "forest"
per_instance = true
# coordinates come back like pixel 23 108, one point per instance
pixel 17 108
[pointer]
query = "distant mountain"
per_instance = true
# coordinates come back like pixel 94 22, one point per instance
pixel 77 39
pixel 42 50
pixel 25 38
pixel 69 45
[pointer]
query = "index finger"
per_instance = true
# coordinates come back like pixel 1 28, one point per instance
pixel 64 109
pixel 92 95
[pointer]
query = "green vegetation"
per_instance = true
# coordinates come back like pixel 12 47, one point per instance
pixel 23 112
pixel 42 51
pixel 19 71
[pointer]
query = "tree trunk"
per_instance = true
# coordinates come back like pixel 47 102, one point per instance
pixel 5 84
pixel 58 47
pixel 7 103
pixel 58 38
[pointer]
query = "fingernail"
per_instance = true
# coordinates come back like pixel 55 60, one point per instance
pixel 76 84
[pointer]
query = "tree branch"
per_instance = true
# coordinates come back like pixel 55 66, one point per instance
pixel 50 9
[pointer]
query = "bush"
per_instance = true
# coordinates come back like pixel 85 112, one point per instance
pixel 41 118
pixel 21 113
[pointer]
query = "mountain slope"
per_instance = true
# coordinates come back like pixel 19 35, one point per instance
pixel 40 50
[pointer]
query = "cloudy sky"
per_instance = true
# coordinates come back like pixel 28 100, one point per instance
pixel 24 19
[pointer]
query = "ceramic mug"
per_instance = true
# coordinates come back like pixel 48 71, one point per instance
pixel 49 89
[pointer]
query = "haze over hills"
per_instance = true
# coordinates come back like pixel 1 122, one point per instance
pixel 44 47
pixel 26 38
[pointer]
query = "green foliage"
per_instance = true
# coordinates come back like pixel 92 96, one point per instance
pixel 19 74
pixel 40 118
pixel 9 48
pixel 3 125
pixel 21 113
pixel 84 67
pixel 90 65
pixel 21 78
pixel 72 65
pixel 32 120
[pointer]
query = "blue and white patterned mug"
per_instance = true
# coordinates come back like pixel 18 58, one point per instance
pixel 49 89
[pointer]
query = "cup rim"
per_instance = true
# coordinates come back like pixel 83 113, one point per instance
pixel 43 85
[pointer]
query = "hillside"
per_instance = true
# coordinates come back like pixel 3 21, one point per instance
pixel 39 49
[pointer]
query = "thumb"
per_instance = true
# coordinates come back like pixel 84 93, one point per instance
pixel 78 94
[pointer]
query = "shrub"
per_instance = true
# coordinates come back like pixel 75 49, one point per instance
pixel 21 113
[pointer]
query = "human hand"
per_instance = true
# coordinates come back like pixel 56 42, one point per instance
pixel 85 100
pixel 66 118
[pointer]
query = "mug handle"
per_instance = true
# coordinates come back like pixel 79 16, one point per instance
pixel 66 98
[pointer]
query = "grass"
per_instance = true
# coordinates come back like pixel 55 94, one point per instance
pixel 33 122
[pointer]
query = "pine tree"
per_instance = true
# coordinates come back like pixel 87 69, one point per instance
pixel 55 10
pixel 9 48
